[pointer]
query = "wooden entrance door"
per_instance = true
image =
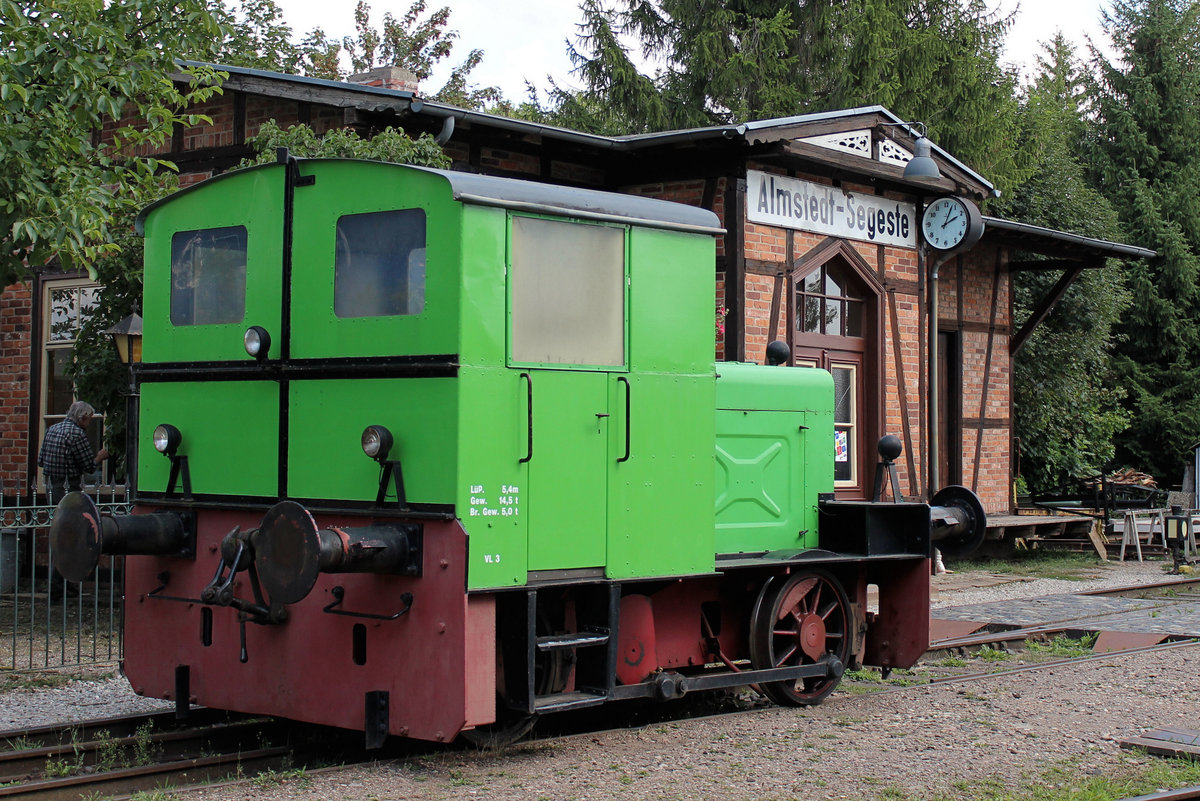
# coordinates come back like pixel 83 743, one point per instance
pixel 834 313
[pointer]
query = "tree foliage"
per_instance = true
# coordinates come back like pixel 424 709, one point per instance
pixel 390 144
pixel 416 42
pixel 69 70
pixel 254 35
pixel 1067 403
pixel 1147 112
pixel 936 61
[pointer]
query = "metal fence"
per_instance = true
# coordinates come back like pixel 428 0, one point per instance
pixel 46 621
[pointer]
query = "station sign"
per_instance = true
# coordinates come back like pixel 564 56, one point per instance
pixel 819 208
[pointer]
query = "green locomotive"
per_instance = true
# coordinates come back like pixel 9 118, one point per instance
pixel 436 453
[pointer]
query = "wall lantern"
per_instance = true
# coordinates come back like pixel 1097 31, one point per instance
pixel 127 336
pixel 921 165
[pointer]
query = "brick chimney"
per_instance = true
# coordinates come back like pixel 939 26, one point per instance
pixel 396 78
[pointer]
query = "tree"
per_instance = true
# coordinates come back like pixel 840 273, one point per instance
pixel 255 36
pixel 390 144
pixel 1147 110
pixel 70 69
pixel 413 42
pixel 1066 399
pixel 936 61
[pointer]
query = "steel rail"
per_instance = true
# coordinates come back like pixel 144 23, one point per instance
pixel 149 777
pixel 1056 663
pixel 117 726
pixel 211 745
pixel 89 754
pixel 1182 794
pixel 1157 585
pixel 1057 626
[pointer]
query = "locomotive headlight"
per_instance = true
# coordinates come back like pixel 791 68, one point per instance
pixel 167 439
pixel 257 341
pixel 376 442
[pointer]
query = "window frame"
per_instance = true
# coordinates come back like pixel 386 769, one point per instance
pixel 47 348
pixel 510 357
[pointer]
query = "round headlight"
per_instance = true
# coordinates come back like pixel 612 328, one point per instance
pixel 376 442
pixel 257 341
pixel 167 438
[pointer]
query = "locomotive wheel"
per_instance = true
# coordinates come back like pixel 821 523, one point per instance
pixel 800 620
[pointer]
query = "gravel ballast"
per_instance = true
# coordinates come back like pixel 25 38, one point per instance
pixel 923 741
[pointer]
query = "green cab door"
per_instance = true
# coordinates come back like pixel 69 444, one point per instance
pixel 213 255
pixel 372 328
pixel 567 300
pixel 567 470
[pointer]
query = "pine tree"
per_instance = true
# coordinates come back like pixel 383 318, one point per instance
pixel 1066 405
pixel 1147 107
pixel 936 61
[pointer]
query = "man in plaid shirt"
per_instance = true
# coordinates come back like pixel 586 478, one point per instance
pixel 66 453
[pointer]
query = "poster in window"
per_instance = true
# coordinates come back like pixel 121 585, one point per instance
pixel 841 446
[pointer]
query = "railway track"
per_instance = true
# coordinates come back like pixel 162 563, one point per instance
pixel 116 757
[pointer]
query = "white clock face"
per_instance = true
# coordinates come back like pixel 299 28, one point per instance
pixel 945 223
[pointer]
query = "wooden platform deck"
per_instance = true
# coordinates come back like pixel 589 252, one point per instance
pixel 1077 533
pixel 1063 532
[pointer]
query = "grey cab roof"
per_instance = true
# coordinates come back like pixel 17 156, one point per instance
pixel 529 196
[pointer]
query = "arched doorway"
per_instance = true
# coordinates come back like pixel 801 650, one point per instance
pixel 834 313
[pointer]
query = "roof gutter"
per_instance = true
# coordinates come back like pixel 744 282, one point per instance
pixel 1114 249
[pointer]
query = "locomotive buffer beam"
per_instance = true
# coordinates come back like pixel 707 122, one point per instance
pixel 291 552
pixel 955 521
pixel 79 535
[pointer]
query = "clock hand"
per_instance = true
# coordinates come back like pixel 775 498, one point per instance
pixel 950 220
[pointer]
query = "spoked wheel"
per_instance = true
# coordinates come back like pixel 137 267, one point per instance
pixel 801 619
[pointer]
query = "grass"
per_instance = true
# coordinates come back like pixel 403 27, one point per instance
pixel 1039 564
pixel 1064 647
pixel 270 778
pixel 1138 776
pixel 989 654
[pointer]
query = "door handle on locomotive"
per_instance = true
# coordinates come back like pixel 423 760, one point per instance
pixel 529 428
pixel 628 392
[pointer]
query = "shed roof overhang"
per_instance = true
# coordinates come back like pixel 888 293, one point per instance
pixel 793 139
pixel 1046 249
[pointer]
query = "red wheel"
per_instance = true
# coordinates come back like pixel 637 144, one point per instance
pixel 801 619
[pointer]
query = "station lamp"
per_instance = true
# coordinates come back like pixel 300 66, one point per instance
pixel 127 336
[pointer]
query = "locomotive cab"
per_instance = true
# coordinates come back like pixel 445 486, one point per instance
pixel 432 454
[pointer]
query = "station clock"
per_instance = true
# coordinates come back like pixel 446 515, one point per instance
pixel 951 223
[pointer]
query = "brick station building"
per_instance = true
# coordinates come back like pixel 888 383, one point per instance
pixel 822 250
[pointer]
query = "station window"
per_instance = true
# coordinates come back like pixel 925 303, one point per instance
pixel 67 305
pixel 828 303
pixel 379 269
pixel 845 424
pixel 568 293
pixel 208 276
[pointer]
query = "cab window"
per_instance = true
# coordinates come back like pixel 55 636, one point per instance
pixel 568 293
pixel 208 276
pixel 379 269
